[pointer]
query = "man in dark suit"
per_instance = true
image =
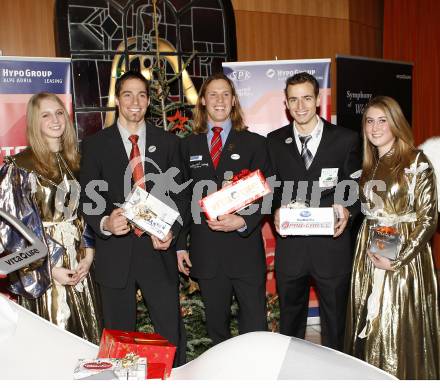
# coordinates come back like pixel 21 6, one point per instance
pixel 226 255
pixel 125 261
pixel 315 154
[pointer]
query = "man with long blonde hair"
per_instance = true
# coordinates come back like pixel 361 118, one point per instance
pixel 226 255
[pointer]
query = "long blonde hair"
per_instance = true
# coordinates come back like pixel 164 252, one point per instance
pixel 45 161
pixel 403 145
pixel 200 115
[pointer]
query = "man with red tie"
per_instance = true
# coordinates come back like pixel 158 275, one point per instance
pixel 127 260
pixel 226 255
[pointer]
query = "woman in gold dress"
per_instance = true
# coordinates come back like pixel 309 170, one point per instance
pixel 393 317
pixel 38 186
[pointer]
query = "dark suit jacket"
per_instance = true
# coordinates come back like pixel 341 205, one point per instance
pixel 339 148
pixel 104 158
pixel 237 254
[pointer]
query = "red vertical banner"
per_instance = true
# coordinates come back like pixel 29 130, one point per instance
pixel 410 33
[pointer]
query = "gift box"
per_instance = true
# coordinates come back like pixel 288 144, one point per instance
pixel 307 221
pixel 385 241
pixel 235 195
pixel 117 344
pixel 149 213
pixel 156 370
pixel 101 368
pixel 131 367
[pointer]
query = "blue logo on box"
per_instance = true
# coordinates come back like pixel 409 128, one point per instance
pixel 305 213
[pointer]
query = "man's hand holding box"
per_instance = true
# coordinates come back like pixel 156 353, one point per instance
pixel 149 213
pixel 235 196
pixel 307 221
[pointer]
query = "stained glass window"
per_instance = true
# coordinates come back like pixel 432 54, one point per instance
pixel 104 37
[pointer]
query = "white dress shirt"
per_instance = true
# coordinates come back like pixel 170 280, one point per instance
pixel 226 128
pixel 316 134
pixel 125 134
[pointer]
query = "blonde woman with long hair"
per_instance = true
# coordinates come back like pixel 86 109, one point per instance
pixel 39 187
pixel 393 313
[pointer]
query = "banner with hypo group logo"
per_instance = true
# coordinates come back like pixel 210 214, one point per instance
pixel 260 86
pixel 359 79
pixel 20 78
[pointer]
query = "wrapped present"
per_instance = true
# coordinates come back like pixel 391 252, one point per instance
pixel 385 241
pixel 156 370
pixel 117 344
pixel 307 221
pixel 131 367
pixel 149 213
pixel 243 190
pixel 99 368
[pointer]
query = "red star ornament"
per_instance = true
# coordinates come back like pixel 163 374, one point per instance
pixel 178 120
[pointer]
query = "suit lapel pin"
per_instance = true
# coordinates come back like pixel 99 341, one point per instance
pixel 235 156
pixel 152 148
pixel 288 140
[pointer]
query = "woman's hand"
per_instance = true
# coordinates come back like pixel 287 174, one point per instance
pixel 379 261
pixel 84 265
pixel 64 276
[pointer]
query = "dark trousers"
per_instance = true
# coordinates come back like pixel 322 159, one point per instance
pixel 250 293
pixel 161 295
pixel 294 300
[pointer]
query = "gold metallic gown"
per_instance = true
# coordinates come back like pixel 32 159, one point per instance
pixel 393 317
pixel 74 308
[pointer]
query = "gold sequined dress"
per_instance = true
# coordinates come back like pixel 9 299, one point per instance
pixel 393 317
pixel 22 190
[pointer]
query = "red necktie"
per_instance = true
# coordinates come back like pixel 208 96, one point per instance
pixel 216 146
pixel 138 170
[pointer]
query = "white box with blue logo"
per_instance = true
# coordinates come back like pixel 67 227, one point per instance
pixel 307 221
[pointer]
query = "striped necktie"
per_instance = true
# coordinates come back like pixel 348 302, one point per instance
pixel 216 146
pixel 306 154
pixel 138 170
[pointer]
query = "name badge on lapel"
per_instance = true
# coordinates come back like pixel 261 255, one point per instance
pixel 235 156
pixel 329 177
pixel 195 158
pixel 198 165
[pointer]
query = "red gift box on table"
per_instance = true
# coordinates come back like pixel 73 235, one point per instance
pixel 245 188
pixel 117 343
pixel 156 371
